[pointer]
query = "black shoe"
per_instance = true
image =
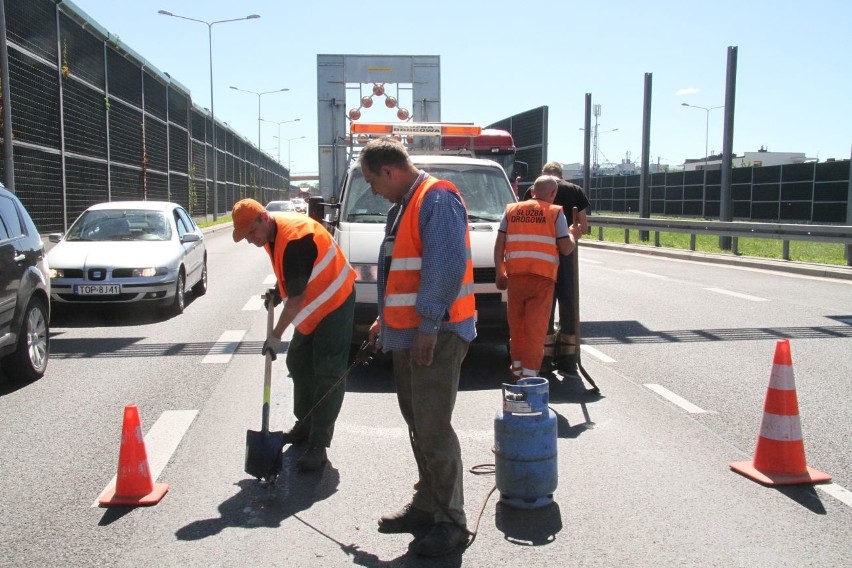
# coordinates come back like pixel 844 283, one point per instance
pixel 442 539
pixel 408 519
pixel 567 364
pixel 295 435
pixel 313 458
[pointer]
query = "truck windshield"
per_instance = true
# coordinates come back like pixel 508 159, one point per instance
pixel 485 190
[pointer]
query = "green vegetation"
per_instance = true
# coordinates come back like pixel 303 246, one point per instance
pixel 212 223
pixel 802 251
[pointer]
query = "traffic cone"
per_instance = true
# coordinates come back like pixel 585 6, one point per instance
pixel 779 458
pixel 133 485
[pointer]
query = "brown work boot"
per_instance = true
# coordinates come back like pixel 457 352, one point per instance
pixel 313 458
pixel 442 539
pixel 408 519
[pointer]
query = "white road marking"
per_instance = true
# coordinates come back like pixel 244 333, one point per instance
pixel 675 399
pixel 162 440
pixel 649 274
pixel 254 304
pixel 581 259
pixel 225 347
pixel 597 354
pixel 737 295
pixel 270 280
pixel 840 493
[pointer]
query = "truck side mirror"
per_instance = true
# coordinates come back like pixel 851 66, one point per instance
pixel 316 208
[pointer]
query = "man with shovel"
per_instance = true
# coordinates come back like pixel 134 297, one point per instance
pixel 316 283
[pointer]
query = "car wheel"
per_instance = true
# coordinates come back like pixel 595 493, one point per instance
pixel 29 360
pixel 179 302
pixel 200 287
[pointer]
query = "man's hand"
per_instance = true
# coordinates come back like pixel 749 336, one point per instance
pixel 373 336
pixel 423 348
pixel 502 281
pixel 271 295
pixel 272 346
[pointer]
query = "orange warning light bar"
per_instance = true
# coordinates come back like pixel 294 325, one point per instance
pixel 414 129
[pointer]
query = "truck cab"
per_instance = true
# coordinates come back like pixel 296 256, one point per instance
pixel 358 224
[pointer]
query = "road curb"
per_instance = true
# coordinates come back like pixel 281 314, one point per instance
pixel 790 266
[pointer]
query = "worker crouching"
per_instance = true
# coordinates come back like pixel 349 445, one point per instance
pixel 531 236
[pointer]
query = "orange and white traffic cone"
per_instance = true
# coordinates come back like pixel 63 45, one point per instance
pixel 779 458
pixel 133 485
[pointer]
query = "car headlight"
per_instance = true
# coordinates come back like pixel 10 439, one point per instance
pixel 144 272
pixel 366 272
pixel 56 273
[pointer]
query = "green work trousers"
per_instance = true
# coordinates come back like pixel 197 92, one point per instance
pixel 316 361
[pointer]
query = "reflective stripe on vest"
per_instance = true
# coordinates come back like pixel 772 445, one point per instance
pixel 531 239
pixel 403 283
pixel 331 280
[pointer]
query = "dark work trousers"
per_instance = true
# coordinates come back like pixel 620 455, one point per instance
pixel 316 361
pixel 427 396
pixel 564 295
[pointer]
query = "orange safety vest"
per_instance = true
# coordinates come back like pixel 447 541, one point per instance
pixel 332 279
pixel 531 238
pixel 404 276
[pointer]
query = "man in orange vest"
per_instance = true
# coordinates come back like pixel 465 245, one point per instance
pixel 316 284
pixel 531 237
pixel 426 319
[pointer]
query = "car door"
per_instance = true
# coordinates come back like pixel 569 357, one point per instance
pixel 194 250
pixel 12 264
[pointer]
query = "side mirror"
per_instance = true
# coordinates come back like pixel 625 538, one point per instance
pixel 316 208
pixel 190 238
pixel 54 237
pixel 520 169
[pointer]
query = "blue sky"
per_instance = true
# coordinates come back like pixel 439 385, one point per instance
pixel 498 58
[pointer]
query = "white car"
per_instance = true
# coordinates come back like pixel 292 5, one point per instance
pixel 129 252
pixel 280 206
pixel 300 204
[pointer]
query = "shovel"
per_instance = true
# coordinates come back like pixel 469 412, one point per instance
pixel 263 449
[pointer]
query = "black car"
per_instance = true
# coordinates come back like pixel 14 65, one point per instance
pixel 24 293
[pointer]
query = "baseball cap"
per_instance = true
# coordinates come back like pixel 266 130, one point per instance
pixel 245 213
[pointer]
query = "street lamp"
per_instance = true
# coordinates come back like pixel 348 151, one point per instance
pixel 212 115
pixel 706 127
pixel 258 121
pixel 279 123
pixel 289 161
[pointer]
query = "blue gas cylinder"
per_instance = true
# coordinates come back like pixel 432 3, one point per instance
pixel 525 445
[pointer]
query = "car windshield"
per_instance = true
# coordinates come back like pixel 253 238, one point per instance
pixel 120 225
pixel 485 190
pixel 279 206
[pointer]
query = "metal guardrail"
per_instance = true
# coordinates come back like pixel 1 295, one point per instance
pixel 841 234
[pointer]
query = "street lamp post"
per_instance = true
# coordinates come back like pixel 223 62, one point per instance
pixel 706 127
pixel 289 161
pixel 258 123
pixel 706 149
pixel 279 123
pixel 212 114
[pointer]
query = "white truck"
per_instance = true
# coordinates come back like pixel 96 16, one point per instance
pixel 357 222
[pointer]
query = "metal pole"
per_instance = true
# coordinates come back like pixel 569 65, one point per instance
pixel 213 120
pixel 7 104
pixel 726 200
pixel 644 190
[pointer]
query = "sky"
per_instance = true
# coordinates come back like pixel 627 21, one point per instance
pixel 500 58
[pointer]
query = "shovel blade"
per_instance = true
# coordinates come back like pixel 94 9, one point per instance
pixel 263 454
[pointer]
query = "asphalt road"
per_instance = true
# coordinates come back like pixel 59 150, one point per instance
pixel 643 479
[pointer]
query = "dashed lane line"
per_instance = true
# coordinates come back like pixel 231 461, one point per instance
pixel 737 295
pixel 600 356
pixel 162 440
pixel 838 492
pixel 648 274
pixel 225 347
pixel 254 304
pixel 675 399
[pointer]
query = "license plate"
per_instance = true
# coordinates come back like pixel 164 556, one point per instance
pixel 97 289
